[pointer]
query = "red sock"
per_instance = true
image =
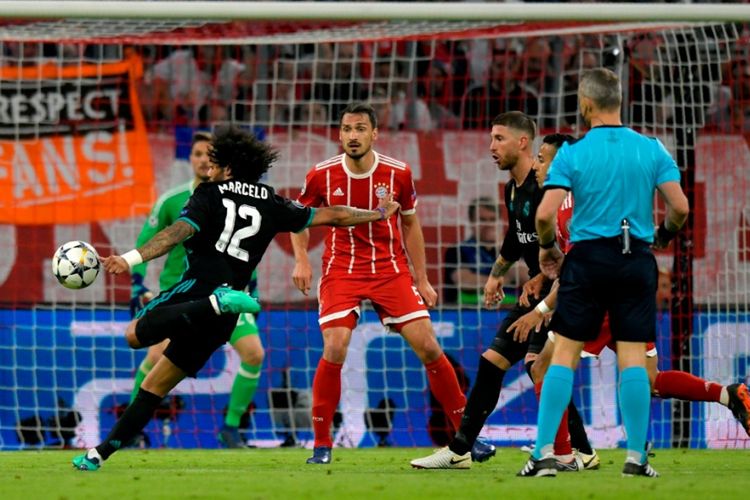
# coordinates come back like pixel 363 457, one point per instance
pixel 444 385
pixel 562 438
pixel 683 385
pixel 326 395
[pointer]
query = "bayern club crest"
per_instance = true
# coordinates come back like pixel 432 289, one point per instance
pixel 381 190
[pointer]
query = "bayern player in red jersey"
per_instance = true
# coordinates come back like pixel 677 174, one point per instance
pixel 368 263
pixel 664 384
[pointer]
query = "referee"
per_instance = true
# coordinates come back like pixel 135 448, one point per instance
pixel 612 172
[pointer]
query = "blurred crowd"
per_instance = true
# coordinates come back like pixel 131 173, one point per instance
pixel 430 84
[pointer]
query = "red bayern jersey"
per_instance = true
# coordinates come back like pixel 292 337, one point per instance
pixel 564 214
pixel 367 248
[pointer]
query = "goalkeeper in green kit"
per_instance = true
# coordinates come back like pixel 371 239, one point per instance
pixel 245 338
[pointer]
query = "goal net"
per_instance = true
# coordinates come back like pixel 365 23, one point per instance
pixel 96 121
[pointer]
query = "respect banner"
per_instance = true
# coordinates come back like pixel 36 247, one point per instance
pixel 73 144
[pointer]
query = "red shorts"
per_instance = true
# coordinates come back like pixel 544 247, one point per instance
pixel 594 348
pixel 394 297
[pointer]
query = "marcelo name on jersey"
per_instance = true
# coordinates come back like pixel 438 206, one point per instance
pixel 245 189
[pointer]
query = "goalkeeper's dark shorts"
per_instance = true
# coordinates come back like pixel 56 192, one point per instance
pixel 190 348
pixel 597 278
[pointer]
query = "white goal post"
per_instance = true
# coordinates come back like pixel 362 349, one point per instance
pixel 368 11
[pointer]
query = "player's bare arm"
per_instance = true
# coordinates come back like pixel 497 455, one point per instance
pixel 162 242
pixel 340 215
pixel 678 209
pixel 550 255
pixel 166 239
pixel 302 274
pixel 493 289
pixel 414 243
pixel 523 325
pixel 536 317
pixel 532 288
pixel 337 215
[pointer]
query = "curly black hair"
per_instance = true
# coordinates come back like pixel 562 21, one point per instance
pixel 248 157
pixel 558 140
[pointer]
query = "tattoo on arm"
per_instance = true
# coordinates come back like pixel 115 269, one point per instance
pixel 500 267
pixel 166 239
pixel 359 215
pixel 348 216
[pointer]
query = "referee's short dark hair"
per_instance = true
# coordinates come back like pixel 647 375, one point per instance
pixel 602 86
pixel 557 140
pixel 360 108
pixel 517 121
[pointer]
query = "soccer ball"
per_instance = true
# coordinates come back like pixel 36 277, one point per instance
pixel 75 265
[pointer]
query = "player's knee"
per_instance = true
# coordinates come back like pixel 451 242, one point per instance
pixel 155 351
pixel 497 359
pixel 131 337
pixel 427 349
pixel 536 371
pixel 132 340
pixel 335 352
pixel 253 357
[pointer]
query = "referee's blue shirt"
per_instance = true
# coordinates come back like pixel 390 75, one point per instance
pixel 612 172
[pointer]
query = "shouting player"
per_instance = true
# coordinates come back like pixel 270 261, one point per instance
pixel 226 227
pixel 368 262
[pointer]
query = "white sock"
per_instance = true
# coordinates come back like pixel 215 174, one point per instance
pixel 548 451
pixel 92 453
pixel 724 396
pixel 634 457
pixel 215 304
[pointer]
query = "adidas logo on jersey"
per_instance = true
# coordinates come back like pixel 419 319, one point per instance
pixel 338 192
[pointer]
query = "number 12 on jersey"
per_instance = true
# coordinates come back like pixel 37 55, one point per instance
pixel 229 240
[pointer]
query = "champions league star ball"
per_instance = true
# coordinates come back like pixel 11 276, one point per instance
pixel 75 265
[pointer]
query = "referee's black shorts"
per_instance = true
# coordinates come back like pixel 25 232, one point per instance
pixel 597 278
pixel 190 347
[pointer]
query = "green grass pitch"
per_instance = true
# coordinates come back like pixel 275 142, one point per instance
pixel 357 474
